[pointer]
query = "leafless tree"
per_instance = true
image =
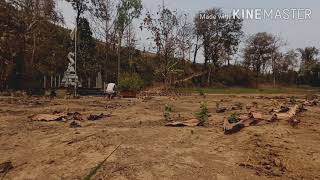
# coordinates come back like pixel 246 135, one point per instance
pixel 164 28
pixel 185 37
pixel 103 17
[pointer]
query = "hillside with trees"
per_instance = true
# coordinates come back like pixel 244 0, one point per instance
pixel 35 43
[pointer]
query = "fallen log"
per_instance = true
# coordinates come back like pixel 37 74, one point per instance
pixel 237 106
pixel 294 122
pixel 221 110
pixel 189 123
pixel 231 128
pixel 48 117
pixel 311 103
pixel 6 167
pixel 251 119
pixel 291 113
pixel 57 116
pixel 74 124
pixel 93 117
pixel 283 109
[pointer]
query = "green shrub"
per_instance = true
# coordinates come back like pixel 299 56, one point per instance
pixel 292 100
pixel 234 75
pixel 130 82
pixel 201 92
pixel 203 115
pixel 167 112
pixel 234 118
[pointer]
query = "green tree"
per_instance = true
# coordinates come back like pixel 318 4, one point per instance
pixel 87 63
pixel 231 36
pixel 127 11
pixel 308 57
pixel 22 23
pixel 52 51
pixel 309 64
pixel 80 6
pixel 259 52
pixel 287 67
pixel 289 61
pixel 164 29
pixel 220 37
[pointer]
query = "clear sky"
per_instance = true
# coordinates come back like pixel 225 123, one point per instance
pixel 297 33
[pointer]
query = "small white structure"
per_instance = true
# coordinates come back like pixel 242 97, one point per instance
pixel 111 88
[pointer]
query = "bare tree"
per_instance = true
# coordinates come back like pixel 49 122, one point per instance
pixel 185 37
pixel 130 42
pixel 164 29
pixel 103 15
pixel 197 46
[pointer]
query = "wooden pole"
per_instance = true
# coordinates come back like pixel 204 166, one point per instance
pixel 51 81
pixel 59 81
pixel 55 81
pixel 75 58
pixel 45 82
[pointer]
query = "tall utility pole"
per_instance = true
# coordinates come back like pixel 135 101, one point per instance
pixel 75 59
pixel 107 16
pixel 119 59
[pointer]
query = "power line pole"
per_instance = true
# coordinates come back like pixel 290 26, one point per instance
pixel 75 60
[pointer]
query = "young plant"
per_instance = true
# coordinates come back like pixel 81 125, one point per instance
pixel 234 118
pixel 217 105
pixel 201 92
pixel 167 112
pixel 293 100
pixel 203 115
pixel 131 82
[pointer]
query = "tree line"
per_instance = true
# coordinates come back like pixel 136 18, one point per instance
pixel 34 43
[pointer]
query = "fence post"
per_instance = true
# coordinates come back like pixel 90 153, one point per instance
pixel 55 81
pixel 51 81
pixel 45 82
pixel 59 81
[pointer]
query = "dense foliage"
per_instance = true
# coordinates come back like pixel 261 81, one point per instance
pixel 130 82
